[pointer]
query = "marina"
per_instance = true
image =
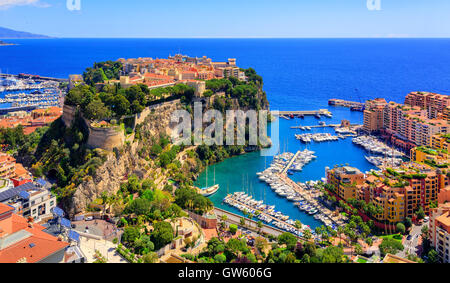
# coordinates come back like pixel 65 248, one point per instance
pixel 301 114
pixel 264 212
pixel 18 94
pixel 240 173
pixel 319 137
pixel 345 103
pixel 303 195
pixel 380 162
pixel 374 146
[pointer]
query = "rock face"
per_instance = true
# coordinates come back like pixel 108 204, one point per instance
pixel 125 160
pixel 108 178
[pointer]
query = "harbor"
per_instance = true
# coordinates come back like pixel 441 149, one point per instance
pixel 354 106
pixel 24 94
pixel 319 137
pixel 303 195
pixel 302 113
pixel 374 146
pixel 239 173
pixel 265 213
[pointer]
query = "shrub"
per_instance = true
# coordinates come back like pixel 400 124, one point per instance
pixel 233 228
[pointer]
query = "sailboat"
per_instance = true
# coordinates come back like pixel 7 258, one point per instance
pixel 209 191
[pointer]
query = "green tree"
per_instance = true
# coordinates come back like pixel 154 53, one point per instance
pixel 332 255
pixel 96 110
pixel 420 214
pixel 220 258
pixel 401 228
pixel 162 234
pixel 288 239
pixel 151 257
pixel 391 246
pixel 233 228
pixel 130 234
pixel 433 256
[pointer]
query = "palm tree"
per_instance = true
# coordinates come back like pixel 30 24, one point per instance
pixel 298 225
pixel 340 231
pixel 260 225
pixel 190 204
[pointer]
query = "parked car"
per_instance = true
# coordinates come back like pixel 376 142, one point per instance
pixel 89 218
pixel 409 237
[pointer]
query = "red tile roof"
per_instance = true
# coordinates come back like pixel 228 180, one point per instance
pixel 34 248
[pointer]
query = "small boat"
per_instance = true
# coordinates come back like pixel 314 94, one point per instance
pixel 209 191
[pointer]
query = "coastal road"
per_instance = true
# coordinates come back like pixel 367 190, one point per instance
pixel 236 219
pixel 411 244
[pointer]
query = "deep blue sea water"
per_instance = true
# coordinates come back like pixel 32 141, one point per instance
pixel 298 74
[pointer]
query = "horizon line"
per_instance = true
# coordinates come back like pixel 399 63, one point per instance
pixel 250 37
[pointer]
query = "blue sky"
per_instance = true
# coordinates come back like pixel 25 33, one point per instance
pixel 229 18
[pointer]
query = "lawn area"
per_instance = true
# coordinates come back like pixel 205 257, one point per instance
pixel 397 237
pixel 361 260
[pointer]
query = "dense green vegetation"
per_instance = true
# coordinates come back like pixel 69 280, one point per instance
pixel 114 101
pixel 62 154
pixel 102 72
pixel 390 245
pixel 248 94
pixel 285 249
pixel 188 198
pixel 17 142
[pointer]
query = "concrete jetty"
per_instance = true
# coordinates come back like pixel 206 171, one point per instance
pixel 291 162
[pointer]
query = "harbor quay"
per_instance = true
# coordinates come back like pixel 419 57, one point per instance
pixel 233 218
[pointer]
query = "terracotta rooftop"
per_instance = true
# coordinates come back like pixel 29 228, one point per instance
pixel 32 243
pixel 389 258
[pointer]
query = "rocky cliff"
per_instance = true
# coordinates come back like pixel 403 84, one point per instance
pixel 126 160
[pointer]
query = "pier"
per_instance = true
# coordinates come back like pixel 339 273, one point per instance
pixel 34 77
pixel 318 126
pixel 321 112
pixel 345 103
pixel 4 111
pixel 233 218
pixel 290 162
pixel 311 200
pixel 249 208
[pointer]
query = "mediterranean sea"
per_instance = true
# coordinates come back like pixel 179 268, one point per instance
pixel 299 74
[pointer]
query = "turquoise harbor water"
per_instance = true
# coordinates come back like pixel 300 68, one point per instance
pixel 239 173
pixel 299 74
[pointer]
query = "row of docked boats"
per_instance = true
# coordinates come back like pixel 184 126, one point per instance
pixel 27 84
pixel 305 128
pixel 344 130
pixel 265 213
pixel 304 204
pixel 381 161
pixel 30 99
pixel 31 94
pixel 45 103
pixel 318 137
pixel 374 146
pixel 281 161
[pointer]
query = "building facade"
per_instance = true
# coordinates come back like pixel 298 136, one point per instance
pixel 439 230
